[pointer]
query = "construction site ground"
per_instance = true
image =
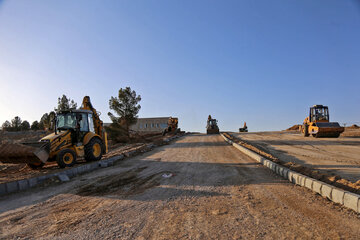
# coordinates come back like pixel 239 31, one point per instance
pixel 340 156
pixel 336 157
pixel 198 187
pixel 12 172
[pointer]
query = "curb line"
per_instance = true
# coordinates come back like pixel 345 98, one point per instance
pixel 334 194
pixel 65 175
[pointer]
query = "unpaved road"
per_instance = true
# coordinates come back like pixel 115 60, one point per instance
pixel 196 188
pixel 339 156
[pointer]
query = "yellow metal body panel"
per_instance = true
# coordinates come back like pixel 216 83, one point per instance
pixel 89 136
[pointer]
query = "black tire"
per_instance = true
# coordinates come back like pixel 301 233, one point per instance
pixel 35 166
pixel 66 158
pixel 92 153
pixel 306 130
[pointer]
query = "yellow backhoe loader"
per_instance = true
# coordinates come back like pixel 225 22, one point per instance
pixel 318 123
pixel 172 126
pixel 78 133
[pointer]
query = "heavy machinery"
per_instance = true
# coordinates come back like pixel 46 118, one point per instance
pixel 211 126
pixel 78 133
pixel 244 129
pixel 172 126
pixel 318 123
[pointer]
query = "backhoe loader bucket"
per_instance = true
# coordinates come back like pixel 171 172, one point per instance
pixel 30 153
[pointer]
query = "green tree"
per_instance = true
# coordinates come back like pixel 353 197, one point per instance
pixel 25 126
pixel 35 126
pixel 16 124
pixel 65 103
pixel 45 122
pixel 6 126
pixel 126 106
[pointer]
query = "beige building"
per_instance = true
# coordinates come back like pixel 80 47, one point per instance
pixel 157 124
pixel 150 124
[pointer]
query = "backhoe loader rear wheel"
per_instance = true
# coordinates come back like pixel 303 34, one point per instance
pixel 36 166
pixel 93 150
pixel 66 158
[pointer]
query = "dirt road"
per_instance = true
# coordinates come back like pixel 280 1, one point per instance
pixel 339 156
pixel 196 188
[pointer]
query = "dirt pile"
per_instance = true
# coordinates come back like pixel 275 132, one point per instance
pixel 295 127
pixel 15 153
pixel 354 126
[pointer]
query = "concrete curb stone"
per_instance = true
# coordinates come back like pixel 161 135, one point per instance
pixel 296 178
pixel 316 187
pixel 326 190
pixel 63 177
pixel 349 200
pixel 11 187
pixel 337 196
pixel 23 184
pixel 32 182
pixel 291 177
pixel 302 179
pixel 103 164
pixel 2 189
pixel 309 183
pixel 285 173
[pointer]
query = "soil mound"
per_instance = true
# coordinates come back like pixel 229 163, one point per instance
pixel 295 127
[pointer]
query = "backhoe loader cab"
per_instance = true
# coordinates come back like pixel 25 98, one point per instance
pixel 79 122
pixel 78 133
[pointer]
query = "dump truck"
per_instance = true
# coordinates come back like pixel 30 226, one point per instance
pixel 318 123
pixel 244 128
pixel 211 126
pixel 172 126
pixel 77 133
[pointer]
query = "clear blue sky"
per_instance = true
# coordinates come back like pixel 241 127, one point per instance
pixel 263 62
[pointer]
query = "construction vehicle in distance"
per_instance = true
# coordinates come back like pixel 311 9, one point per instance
pixel 211 126
pixel 318 123
pixel 243 129
pixel 78 133
pixel 172 126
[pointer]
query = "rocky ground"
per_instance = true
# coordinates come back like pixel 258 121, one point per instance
pixel 11 172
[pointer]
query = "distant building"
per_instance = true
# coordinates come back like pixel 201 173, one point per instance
pixel 157 124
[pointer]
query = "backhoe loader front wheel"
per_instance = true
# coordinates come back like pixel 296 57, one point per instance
pixel 66 158
pixel 93 150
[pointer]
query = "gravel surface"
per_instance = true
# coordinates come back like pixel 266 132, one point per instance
pixel 198 187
